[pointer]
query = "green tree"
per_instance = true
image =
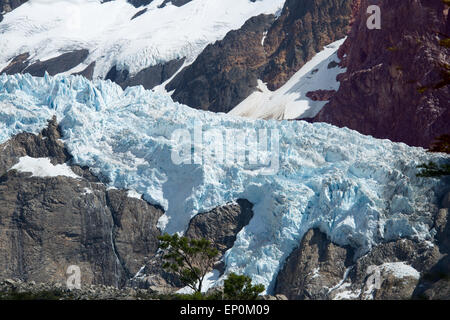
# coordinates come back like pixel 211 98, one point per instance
pixel 239 287
pixel 189 259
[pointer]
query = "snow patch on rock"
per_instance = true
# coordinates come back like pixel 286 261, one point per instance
pixel 290 101
pixel 134 194
pixel 400 270
pixel 42 167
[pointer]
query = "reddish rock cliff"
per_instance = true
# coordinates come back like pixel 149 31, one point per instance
pixel 390 89
pixel 302 30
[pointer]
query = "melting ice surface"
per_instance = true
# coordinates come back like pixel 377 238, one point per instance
pixel 359 190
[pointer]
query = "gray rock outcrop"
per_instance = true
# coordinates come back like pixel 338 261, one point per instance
pixel 9 5
pixel 177 3
pixel 53 66
pixel 312 269
pixel 221 225
pixel 398 270
pixel 50 223
pixel 226 72
pixel 148 77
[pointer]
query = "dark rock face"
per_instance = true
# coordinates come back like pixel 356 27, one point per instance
pixel 312 268
pixel 62 63
pixel 221 225
pixel 154 75
pixel 442 226
pixel 320 95
pixel 302 30
pixel 226 72
pixel 18 64
pixel 418 255
pixel 446 201
pixel 392 85
pixel 44 145
pixel 319 269
pixel 139 13
pixel 435 283
pixel 9 5
pixel 88 73
pixel 177 3
pixel 116 75
pixel 48 224
pixel 135 232
pixel 46 230
pixel 140 3
pixel 148 77
pixel 57 65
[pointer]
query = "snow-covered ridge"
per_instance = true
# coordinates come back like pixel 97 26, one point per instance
pixel 47 29
pixel 357 189
pixel 290 101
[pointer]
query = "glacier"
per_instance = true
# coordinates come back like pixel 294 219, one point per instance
pixel 359 190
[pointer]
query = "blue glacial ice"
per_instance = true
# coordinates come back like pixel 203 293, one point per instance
pixel 359 190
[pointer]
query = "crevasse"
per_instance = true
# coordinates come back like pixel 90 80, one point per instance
pixel 359 190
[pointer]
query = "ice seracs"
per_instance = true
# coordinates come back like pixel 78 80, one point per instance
pixel 337 180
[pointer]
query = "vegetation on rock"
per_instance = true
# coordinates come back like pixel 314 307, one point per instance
pixel 189 259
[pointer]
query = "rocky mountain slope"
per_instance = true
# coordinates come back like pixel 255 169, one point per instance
pixel 50 223
pixel 87 176
pixel 127 41
pixel 388 90
pixel 302 96
pixel 400 270
pixel 223 67
pixel 302 30
pixel 226 72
